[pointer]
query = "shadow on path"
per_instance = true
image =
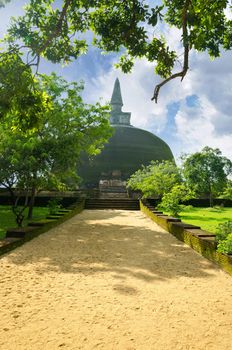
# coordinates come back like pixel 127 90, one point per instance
pixel 99 242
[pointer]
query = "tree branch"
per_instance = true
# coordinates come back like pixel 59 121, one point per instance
pixel 185 67
pixel 58 28
pixel 12 50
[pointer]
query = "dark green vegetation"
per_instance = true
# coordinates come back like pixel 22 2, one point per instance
pixel 127 149
pixel 56 31
pixel 155 179
pixel 224 237
pixel 26 234
pixel 203 174
pixel 171 200
pixel 201 241
pixel 47 157
pixel 7 218
pixel 207 172
pixel 207 218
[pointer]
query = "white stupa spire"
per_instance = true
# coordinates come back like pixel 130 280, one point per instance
pixel 117 116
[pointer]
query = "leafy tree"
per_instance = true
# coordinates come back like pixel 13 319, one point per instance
pixel 155 179
pixel 48 157
pixel 56 32
pixel 171 200
pixel 207 172
pixel 227 193
pixel 21 96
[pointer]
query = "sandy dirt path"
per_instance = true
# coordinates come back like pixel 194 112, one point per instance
pixel 112 280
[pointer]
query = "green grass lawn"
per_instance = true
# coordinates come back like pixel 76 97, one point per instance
pixel 207 218
pixel 7 218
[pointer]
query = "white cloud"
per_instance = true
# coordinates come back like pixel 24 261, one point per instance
pixel 14 8
pixel 209 123
pixel 195 128
pixel 136 92
pixel 137 89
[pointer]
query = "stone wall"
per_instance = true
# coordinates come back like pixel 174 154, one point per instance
pixel 201 241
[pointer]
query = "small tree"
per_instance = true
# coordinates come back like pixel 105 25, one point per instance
pixel 171 200
pixel 207 172
pixel 227 193
pixel 155 179
pixel 47 158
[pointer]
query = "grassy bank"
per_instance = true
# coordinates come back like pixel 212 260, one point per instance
pixel 7 218
pixel 207 218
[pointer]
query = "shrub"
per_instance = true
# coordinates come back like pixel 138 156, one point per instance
pixel 54 205
pixel 155 179
pixel 171 201
pixel 225 246
pixel 223 230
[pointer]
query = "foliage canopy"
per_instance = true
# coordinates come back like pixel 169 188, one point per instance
pixel 21 96
pixel 55 30
pixel 155 179
pixel 207 172
pixel 47 157
pixel 171 200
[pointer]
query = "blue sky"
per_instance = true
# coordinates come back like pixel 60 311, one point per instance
pixel 189 114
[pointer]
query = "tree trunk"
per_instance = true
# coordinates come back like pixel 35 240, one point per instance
pixel 210 200
pixel 210 197
pixel 19 217
pixel 32 203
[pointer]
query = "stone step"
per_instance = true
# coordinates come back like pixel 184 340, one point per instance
pixel 58 214
pixel 107 200
pixel 19 232
pixel 64 211
pixel 111 206
pixel 188 226
pixel 111 200
pixel 53 217
pixel 106 203
pixel 39 223
pixel 9 240
pixel 110 203
pixel 113 189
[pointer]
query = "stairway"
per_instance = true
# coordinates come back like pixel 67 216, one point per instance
pixel 112 203
pixel 113 192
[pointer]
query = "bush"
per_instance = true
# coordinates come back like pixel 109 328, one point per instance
pixel 223 230
pixel 171 201
pixel 225 246
pixel 54 205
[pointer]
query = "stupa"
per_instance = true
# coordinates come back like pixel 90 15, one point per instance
pixel 127 150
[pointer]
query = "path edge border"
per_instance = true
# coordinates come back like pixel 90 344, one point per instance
pixel 206 246
pixel 8 247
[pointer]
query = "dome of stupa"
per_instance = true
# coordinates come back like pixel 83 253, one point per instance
pixel 127 150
